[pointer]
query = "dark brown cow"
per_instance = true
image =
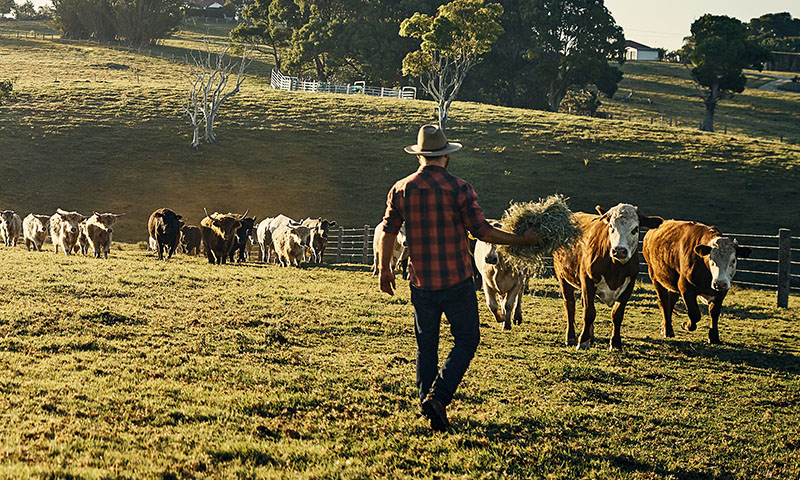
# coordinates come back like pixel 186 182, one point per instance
pixel 164 227
pixel 219 232
pixel 603 261
pixel 242 240
pixel 191 239
pixel 691 259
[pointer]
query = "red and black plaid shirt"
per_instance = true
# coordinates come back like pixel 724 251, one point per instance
pixel 438 208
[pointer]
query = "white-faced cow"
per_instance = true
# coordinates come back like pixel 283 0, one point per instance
pixel 691 259
pixel 64 230
pixel 164 227
pixel 603 262
pixel 99 232
pixel 10 227
pixel 219 232
pixel 34 230
pixel 500 279
pixel 399 253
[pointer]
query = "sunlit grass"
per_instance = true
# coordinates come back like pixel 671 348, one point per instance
pixel 136 368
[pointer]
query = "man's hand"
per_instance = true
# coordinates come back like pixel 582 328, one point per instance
pixel 530 237
pixel 387 281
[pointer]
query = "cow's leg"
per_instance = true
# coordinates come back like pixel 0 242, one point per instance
pixel 666 302
pixel 568 292
pixel 588 291
pixel 491 301
pixel 690 299
pixel 172 249
pixel 66 249
pixel 714 310
pixel 617 313
pixel 518 307
pixel 512 297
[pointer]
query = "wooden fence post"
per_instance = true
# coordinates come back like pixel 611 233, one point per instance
pixel 784 266
pixel 365 252
pixel 339 245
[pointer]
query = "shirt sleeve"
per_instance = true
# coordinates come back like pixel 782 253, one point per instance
pixel 472 214
pixel 392 219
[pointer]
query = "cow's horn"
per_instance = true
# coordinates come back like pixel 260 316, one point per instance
pixel 245 213
pixel 204 209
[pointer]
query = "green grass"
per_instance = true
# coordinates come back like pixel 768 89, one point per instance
pixel 133 368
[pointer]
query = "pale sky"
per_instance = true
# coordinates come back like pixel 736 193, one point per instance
pixel 664 23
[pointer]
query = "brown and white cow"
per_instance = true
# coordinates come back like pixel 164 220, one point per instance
pixel 64 230
pixel 603 262
pixel 399 253
pixel 34 231
pixel 691 259
pixel 10 227
pixel 191 239
pixel 164 227
pixel 219 232
pixel 500 279
pixel 98 232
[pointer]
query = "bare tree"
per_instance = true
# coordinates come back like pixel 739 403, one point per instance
pixel 211 82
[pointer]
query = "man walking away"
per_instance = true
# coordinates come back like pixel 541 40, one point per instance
pixel 438 209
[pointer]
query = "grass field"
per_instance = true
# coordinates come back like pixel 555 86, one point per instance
pixel 133 368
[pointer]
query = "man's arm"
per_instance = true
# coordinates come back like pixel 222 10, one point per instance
pixel 504 238
pixel 386 274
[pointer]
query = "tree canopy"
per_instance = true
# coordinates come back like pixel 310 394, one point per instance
pixel 776 31
pixel 719 49
pixel 452 42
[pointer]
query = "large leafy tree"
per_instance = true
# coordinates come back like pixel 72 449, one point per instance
pixel 330 39
pixel 452 42
pixel 776 31
pixel 718 50
pixel 571 43
pixel 135 22
pixel 6 6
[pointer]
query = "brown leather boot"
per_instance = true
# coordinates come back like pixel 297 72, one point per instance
pixel 436 412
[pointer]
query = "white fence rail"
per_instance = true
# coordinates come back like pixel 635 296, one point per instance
pixel 282 82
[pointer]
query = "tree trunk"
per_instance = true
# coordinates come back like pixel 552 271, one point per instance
pixel 320 67
pixel 711 105
pixel 443 113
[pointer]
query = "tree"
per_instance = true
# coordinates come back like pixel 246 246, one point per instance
pixel 452 43
pixel 776 31
pixel 268 27
pixel 135 22
pixel 571 46
pixel 718 49
pixel 25 11
pixel 6 6
pixel 210 85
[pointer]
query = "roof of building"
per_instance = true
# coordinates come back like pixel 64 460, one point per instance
pixel 208 3
pixel 637 45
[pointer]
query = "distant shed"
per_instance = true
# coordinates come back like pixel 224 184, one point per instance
pixel 638 51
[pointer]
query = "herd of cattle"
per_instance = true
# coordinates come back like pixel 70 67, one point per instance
pixel 684 259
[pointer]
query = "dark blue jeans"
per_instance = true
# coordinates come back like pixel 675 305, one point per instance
pixel 460 306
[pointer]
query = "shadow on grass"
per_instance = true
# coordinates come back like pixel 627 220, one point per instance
pixel 736 354
pixel 632 465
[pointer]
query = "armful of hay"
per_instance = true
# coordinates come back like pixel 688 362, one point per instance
pixel 550 218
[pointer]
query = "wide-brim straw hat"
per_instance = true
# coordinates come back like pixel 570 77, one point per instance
pixel 431 142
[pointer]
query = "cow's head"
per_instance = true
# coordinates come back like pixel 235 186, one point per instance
pixel 302 235
pixel 225 225
pixel 71 220
pixel 623 223
pixel 720 257
pixel 105 220
pixel 168 222
pixel 43 222
pixel 6 216
pixel 402 239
